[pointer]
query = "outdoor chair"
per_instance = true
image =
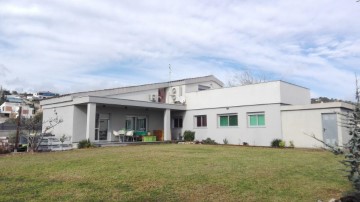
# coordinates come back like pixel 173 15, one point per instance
pixel 122 134
pixel 130 135
pixel 116 134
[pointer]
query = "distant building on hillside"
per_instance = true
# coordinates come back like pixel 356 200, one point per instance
pixel 11 110
pixel 42 95
pixel 13 99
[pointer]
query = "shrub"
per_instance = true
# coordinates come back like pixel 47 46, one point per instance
pixel 208 141
pixel 189 135
pixel 245 144
pixel 291 144
pixel 4 150
pixel 282 144
pixel 85 144
pixel 5 147
pixel 276 143
pixel 225 141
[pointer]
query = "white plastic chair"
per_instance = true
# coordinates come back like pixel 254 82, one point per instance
pixel 122 134
pixel 116 134
pixel 130 134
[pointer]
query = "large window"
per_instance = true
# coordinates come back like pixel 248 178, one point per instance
pixel 256 119
pixel 177 122
pixel 138 123
pixel 228 120
pixel 200 121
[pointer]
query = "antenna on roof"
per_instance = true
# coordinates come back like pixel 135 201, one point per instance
pixel 169 74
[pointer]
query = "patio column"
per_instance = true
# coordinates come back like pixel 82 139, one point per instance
pixel 90 121
pixel 167 124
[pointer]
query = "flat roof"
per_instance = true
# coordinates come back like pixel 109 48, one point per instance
pixel 328 105
pixel 114 102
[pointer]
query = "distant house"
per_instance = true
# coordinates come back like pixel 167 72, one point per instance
pixel 44 95
pixel 254 114
pixel 13 99
pixel 11 109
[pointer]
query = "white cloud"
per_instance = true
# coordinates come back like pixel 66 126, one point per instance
pixel 67 46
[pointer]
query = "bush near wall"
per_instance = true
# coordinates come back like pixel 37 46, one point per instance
pixel 189 135
pixel 5 147
pixel 208 141
pixel 85 144
pixel 278 143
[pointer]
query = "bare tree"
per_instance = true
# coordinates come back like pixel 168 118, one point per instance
pixel 246 78
pixel 33 126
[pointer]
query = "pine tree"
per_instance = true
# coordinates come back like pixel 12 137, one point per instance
pixel 2 96
pixel 352 159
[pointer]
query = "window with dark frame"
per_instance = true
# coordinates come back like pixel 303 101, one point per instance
pixel 178 122
pixel 201 121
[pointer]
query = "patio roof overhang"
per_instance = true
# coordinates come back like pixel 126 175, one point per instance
pixel 111 102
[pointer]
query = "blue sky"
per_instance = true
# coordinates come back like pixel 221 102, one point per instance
pixel 69 46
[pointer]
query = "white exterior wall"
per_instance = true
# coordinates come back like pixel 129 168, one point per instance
pixel 79 123
pixel 195 86
pixel 298 124
pixel 294 95
pixel 140 95
pixel 255 94
pixel 260 136
pixel 67 114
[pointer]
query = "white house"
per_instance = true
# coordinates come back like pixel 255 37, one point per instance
pixel 11 109
pixel 42 95
pixel 255 114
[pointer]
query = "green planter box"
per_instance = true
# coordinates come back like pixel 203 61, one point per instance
pixel 149 138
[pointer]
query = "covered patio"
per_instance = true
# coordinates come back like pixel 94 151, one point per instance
pixel 99 119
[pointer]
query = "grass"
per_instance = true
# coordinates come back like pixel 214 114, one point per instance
pixel 172 173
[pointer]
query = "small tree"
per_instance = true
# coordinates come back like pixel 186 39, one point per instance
pixel 246 78
pixel 2 95
pixel 33 127
pixel 351 122
pixel 352 159
pixel 62 140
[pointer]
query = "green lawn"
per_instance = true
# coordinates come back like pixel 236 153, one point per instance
pixel 172 173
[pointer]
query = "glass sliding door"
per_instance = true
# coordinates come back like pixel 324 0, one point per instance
pixel 101 126
pixel 103 129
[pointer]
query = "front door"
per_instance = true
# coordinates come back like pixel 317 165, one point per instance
pixel 330 129
pixel 101 127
